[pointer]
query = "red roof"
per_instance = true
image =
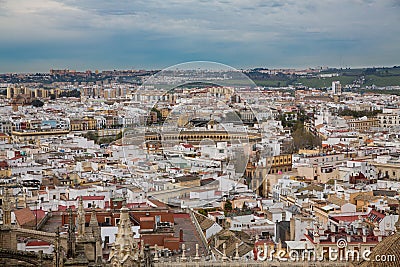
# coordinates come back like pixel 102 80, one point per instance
pixel 24 216
pixel 157 203
pixel 92 198
pixel 37 243
pixel 182 215
pixel 187 145
pixel 378 216
pixel 146 219
pixel 64 208
pixel 216 213
pixel 346 218
pixel 136 205
pixel 39 214
pixel 3 164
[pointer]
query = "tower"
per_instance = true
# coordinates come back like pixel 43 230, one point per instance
pixel 7 208
pixel 125 250
pixel 95 238
pixel 80 220
pixel 71 235
pixel 336 88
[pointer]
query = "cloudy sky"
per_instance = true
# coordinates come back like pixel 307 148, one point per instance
pixel 37 35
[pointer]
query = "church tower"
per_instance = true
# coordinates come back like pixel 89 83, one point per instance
pixel 125 250
pixel 80 220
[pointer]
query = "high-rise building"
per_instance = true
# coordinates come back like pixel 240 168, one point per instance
pixel 336 88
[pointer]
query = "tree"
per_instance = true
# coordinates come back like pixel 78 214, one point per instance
pixel 303 139
pixel 203 212
pixel 70 93
pixel 228 206
pixel 91 135
pixel 37 103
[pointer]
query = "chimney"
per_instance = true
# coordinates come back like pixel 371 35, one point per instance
pixel 348 238
pixel 364 237
pixel 180 235
pixel 316 238
pixel 333 238
pixel 321 230
pixel 376 231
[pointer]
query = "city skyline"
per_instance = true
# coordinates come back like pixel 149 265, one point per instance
pixel 153 35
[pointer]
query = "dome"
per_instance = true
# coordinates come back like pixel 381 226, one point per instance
pixel 390 246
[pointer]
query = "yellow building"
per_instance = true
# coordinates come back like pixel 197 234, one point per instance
pixel 5 170
pixel 165 112
pixel 279 164
pixel 90 122
pixel 263 177
pixel 5 138
pixel 33 136
pixel 363 200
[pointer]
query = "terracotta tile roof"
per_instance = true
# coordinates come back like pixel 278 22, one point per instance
pixel 24 216
pixel 64 208
pixel 40 214
pixel 181 215
pixel 389 246
pixel 311 188
pixel 336 200
pixel 203 221
pixel 231 239
pixel 146 219
pixel 365 197
pixel 158 203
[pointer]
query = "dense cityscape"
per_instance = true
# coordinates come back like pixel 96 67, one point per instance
pixel 212 133
pixel 197 167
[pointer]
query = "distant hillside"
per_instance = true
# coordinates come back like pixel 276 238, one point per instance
pixel 379 77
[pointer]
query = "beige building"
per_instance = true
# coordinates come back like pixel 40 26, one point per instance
pixel 319 173
pixel 387 120
pixel 362 124
pixel 34 136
